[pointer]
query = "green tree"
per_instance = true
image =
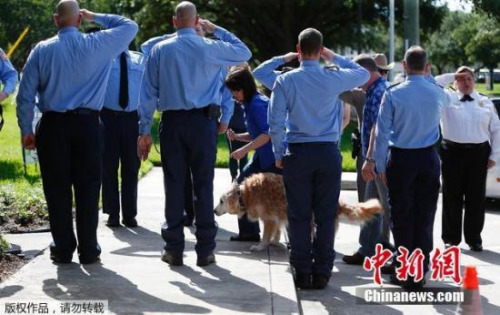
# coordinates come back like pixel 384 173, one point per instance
pixel 446 45
pixel 484 46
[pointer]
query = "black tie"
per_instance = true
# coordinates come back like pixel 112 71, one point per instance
pixel 466 98
pixel 123 81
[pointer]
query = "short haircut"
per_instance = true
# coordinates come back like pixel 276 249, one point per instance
pixel 242 79
pixel 185 11
pixel 68 9
pixel 466 69
pixel 416 58
pixel 310 41
pixel 366 62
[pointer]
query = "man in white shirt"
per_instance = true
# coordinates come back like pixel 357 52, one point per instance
pixel 471 137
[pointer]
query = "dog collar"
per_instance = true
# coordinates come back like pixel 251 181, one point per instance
pixel 240 200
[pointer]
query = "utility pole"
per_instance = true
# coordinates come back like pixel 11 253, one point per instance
pixel 391 37
pixel 411 23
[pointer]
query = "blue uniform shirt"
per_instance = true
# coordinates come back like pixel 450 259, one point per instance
pixel 370 110
pixel 8 75
pixel 149 44
pixel 307 97
pixel 266 72
pixel 187 71
pixel 409 117
pixel 135 62
pixel 256 121
pixel 71 69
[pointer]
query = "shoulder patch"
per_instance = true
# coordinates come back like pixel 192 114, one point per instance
pixel 3 55
pixel 332 67
pixel 286 69
pixel 393 85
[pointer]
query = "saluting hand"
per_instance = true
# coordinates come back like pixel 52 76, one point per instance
pixel 29 142
pixel 144 143
pixel 87 15
pixel 327 54
pixel 208 26
pixel 290 56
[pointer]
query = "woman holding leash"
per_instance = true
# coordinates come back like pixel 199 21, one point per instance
pixel 242 85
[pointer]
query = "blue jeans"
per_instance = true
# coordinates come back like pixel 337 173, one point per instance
pixel 372 233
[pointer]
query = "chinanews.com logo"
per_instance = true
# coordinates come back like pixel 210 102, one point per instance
pixel 443 265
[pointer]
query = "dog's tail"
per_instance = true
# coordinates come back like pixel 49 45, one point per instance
pixel 360 212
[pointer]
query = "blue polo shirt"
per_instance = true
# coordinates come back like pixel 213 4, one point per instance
pixel 256 121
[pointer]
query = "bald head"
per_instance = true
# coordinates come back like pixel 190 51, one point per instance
pixel 185 15
pixel 67 13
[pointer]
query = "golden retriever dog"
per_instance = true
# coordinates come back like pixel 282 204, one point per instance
pixel 262 196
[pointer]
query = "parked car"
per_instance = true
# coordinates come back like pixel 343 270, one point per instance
pixel 493 179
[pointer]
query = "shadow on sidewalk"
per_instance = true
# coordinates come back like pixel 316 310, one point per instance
pixel 10 290
pixel 94 282
pixel 486 255
pixel 224 290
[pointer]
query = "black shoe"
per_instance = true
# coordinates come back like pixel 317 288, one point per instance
pixel 389 246
pixel 356 259
pixel 303 281
pixel 388 269
pixel 61 259
pixel 245 238
pixel 172 259
pixel 187 221
pixel 320 281
pixel 131 223
pixel 88 261
pixel 203 261
pixel 450 244
pixel 476 247
pixel 113 221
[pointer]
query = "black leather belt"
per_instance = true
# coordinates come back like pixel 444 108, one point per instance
pixel 465 145
pixel 75 112
pixel 429 148
pixel 118 113
pixel 304 144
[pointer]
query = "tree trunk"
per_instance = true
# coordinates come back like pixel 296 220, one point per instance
pixel 490 85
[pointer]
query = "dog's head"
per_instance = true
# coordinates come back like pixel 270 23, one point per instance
pixel 230 202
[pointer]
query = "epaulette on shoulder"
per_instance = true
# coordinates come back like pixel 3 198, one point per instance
pixel 391 86
pixel 332 67
pixel 286 69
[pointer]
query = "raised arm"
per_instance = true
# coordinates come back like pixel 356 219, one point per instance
pixel 266 72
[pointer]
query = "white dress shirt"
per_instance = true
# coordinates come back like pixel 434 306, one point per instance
pixel 473 121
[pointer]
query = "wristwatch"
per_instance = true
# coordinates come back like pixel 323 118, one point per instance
pixel 370 160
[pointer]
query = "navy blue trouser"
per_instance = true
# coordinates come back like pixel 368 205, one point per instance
pixel 69 149
pixel 413 182
pixel 312 174
pixel 246 227
pixel 120 147
pixel 188 140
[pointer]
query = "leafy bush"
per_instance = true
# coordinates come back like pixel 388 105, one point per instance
pixel 4 245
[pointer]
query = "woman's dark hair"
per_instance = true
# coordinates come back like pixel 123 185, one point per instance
pixel 242 79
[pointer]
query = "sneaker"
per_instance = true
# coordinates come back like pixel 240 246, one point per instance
pixel 356 259
pixel 172 259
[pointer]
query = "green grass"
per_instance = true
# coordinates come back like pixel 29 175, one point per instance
pixel 11 160
pixel 481 88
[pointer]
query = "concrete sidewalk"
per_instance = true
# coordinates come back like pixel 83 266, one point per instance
pixel 135 281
